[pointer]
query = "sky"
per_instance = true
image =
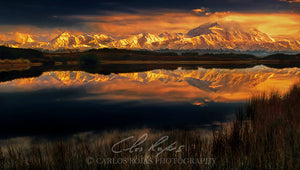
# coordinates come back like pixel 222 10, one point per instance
pixel 121 18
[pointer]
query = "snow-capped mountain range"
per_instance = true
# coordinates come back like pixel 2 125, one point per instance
pixel 215 36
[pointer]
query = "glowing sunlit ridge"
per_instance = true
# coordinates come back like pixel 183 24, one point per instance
pixel 215 35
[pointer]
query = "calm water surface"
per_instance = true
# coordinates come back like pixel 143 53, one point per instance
pixel 67 102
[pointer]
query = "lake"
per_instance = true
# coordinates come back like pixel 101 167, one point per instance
pixel 61 102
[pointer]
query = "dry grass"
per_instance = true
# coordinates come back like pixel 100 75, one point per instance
pixel 72 153
pixel 265 136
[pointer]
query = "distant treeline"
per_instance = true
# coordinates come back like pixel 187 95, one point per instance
pixel 143 55
pixel 105 54
pixel 283 57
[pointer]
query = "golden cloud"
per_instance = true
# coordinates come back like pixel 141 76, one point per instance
pixel 128 24
pixel 274 24
pixel 123 24
pixel 201 11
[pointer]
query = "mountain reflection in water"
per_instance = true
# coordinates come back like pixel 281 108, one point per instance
pixel 71 101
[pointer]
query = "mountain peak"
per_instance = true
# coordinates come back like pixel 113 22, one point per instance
pixel 214 24
pixel 202 29
pixel 65 34
pixel 208 27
